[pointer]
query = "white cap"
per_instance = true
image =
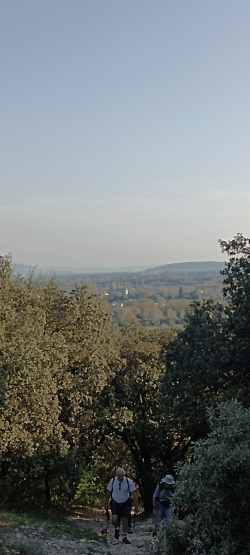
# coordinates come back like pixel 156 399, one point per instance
pixel 168 480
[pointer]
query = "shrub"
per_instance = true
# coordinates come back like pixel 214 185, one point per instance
pixel 90 489
pixel 213 493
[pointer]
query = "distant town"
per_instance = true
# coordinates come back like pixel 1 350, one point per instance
pixel 157 297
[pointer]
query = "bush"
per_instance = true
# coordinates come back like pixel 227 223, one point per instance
pixel 90 489
pixel 213 493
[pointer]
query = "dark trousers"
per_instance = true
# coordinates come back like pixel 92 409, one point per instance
pixel 131 503
pixel 122 510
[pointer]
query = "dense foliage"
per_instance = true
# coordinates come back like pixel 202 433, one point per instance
pixel 80 396
pixel 213 493
pixel 210 359
pixel 130 408
pixel 55 349
pixel 208 363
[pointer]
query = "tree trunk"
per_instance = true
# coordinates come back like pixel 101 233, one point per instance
pixel 47 486
pixel 144 477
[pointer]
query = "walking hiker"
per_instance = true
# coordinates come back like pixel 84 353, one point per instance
pixel 130 527
pixel 162 501
pixel 120 488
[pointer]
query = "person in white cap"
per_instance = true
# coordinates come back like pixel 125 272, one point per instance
pixel 162 501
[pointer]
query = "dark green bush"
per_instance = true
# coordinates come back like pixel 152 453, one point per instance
pixel 213 493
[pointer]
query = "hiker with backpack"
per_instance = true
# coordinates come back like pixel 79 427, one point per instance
pixel 130 528
pixel 162 501
pixel 120 489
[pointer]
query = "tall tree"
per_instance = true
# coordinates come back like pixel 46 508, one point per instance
pixel 209 360
pixel 130 408
pixel 56 350
pixel 196 367
pixel 236 289
pixel 31 365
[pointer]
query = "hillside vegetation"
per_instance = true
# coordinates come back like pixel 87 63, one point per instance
pixel 80 396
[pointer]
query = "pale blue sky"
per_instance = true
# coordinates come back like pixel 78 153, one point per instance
pixel 125 130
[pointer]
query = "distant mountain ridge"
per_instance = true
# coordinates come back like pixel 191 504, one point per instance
pixel 68 270
pixel 206 266
pixel 24 269
pixel 101 270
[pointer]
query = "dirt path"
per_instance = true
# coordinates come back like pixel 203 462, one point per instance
pixel 141 539
pixel 40 540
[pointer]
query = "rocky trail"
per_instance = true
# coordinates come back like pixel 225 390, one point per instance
pixel 42 540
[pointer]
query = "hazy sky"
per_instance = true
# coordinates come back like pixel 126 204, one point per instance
pixel 125 130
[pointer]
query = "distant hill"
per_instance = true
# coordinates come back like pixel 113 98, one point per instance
pixel 24 269
pixel 102 270
pixel 68 270
pixel 208 266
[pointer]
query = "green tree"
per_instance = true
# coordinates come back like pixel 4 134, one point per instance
pixel 56 350
pixel 181 293
pixel 196 368
pixel 194 295
pixel 236 289
pixel 209 360
pixel 85 321
pixel 130 409
pixel 32 364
